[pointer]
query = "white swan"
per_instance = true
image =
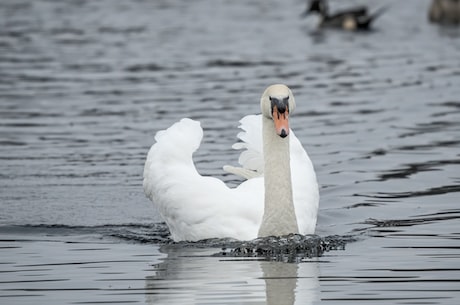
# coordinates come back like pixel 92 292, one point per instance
pixel 280 195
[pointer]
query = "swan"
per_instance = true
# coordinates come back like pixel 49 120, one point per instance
pixel 279 196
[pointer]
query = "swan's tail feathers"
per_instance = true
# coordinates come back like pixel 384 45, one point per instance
pixel 251 158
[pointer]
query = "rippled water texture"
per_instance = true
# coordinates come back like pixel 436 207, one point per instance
pixel 84 85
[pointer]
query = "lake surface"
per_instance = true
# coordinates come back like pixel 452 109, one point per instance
pixel 84 86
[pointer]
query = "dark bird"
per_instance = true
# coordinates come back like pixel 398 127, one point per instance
pixel 355 18
pixel 445 11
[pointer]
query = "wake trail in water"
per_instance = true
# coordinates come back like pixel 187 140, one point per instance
pixel 288 248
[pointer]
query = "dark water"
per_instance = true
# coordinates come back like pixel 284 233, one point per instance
pixel 84 85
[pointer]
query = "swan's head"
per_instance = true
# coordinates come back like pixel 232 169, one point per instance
pixel 277 103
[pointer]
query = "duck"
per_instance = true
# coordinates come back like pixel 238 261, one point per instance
pixel 352 19
pixel 444 12
pixel 279 194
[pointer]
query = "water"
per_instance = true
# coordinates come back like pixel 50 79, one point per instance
pixel 84 85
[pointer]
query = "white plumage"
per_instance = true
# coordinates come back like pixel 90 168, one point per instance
pixel 197 207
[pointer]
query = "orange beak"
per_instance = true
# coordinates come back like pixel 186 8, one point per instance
pixel 281 122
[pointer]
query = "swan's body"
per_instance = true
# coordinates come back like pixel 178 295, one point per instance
pixel 280 195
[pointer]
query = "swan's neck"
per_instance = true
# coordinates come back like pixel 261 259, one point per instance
pixel 279 215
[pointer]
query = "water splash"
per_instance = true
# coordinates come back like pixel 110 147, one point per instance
pixel 288 248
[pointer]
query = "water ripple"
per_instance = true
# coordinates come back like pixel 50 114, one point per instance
pixel 82 97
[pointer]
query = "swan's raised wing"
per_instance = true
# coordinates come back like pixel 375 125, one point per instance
pixel 251 158
pixel 305 189
pixel 194 206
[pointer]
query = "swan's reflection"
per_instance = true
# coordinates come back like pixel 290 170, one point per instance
pixel 192 275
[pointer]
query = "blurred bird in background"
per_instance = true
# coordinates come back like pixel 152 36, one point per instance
pixel 352 19
pixel 445 11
